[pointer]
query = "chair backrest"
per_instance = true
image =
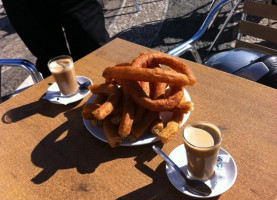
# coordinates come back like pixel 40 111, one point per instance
pixel 25 64
pixel 209 20
pixel 267 34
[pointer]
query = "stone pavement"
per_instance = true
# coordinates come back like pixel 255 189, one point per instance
pixel 161 25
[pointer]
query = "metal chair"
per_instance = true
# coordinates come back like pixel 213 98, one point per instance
pixel 232 12
pixel 25 64
pixel 253 61
pixel 189 44
pixel 235 5
pixel 136 5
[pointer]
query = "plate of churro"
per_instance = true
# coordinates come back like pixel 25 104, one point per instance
pixel 140 102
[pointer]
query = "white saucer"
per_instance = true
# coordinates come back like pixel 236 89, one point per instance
pixel 53 93
pixel 224 178
pixel 147 137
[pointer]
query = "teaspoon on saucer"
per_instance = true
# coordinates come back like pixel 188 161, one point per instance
pixel 194 186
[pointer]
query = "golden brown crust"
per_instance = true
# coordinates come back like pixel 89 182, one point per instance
pixel 171 128
pixel 183 107
pixel 104 88
pixel 155 105
pixel 106 108
pixel 110 132
pixel 145 93
pixel 153 58
pixel 157 126
pixel 128 114
pixel 139 110
pixel 90 107
pixel 139 128
pixel 145 74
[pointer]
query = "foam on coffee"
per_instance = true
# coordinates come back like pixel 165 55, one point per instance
pixel 60 65
pixel 199 137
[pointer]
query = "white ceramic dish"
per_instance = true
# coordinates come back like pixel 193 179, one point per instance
pixel 147 137
pixel 53 93
pixel 224 178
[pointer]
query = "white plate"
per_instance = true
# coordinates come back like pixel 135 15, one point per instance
pixel 224 178
pixel 53 93
pixel 147 137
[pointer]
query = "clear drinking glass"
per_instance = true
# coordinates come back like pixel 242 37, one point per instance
pixel 202 141
pixel 63 71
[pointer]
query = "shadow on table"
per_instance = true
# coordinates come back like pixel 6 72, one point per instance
pixel 160 188
pixel 70 145
pixel 42 107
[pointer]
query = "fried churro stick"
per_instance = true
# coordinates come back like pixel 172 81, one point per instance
pixel 127 115
pixel 183 107
pixel 139 129
pixel 152 58
pixel 145 74
pixel 157 126
pixel 104 88
pixel 111 134
pixel 171 128
pixel 106 108
pixel 90 107
pixel 139 111
pixel 146 87
pixel 157 104
pixel 157 90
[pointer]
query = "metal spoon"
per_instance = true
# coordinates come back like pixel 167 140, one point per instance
pixel 194 186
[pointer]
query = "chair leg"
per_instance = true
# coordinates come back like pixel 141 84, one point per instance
pixel 225 23
pixel 195 54
pixel 136 5
pixel 243 18
pixel 187 47
pixel 214 17
pixel 212 5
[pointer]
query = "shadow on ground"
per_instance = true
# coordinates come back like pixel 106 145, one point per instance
pixel 167 34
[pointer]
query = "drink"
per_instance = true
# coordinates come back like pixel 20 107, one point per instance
pixel 202 142
pixel 62 69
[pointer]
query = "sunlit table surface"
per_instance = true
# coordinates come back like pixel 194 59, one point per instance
pixel 46 152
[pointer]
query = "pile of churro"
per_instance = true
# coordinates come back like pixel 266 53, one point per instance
pixel 130 101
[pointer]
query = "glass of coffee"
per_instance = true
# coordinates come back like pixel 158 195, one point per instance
pixel 202 141
pixel 62 69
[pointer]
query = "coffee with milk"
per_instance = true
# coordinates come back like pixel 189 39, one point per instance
pixel 202 142
pixel 62 69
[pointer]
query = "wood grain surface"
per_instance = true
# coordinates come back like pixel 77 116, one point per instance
pixel 47 153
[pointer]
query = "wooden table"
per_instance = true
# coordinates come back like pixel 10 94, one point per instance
pixel 47 153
